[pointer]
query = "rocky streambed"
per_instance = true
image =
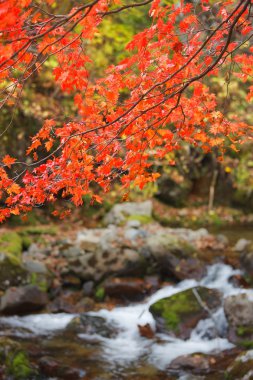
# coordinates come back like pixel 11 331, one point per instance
pixel 132 300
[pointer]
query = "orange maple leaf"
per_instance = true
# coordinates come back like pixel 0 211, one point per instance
pixel 8 160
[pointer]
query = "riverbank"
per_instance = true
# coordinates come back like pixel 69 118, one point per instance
pixel 101 296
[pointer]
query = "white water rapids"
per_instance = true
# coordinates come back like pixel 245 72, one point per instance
pixel 128 346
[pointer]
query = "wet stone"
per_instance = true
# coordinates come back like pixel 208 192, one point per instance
pixel 88 288
pixel 196 363
pixel 179 314
pixel 125 288
pixel 23 300
pixel 239 312
pixel 241 245
pixel 51 367
pixel 242 367
pixel 92 325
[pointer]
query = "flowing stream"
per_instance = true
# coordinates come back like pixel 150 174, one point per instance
pixel 126 349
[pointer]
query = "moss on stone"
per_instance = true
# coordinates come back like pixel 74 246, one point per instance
pixel 175 308
pixel 26 242
pixel 100 293
pixel 19 366
pixel 244 331
pixel 240 369
pixel 182 311
pixel 15 361
pixel 37 281
pixel 247 344
pixel 143 219
pixel 11 270
pixel 165 243
pixel 245 334
pixel 11 243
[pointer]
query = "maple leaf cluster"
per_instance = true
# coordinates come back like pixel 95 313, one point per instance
pixel 148 105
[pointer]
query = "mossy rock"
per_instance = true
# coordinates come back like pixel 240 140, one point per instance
pixel 242 367
pixel 247 264
pixel 39 280
pixel 245 336
pixel 120 213
pixel 15 361
pixel 100 294
pixel 18 366
pixel 162 244
pixel 26 242
pixel 179 314
pixel 238 309
pixel 12 272
pixel 11 243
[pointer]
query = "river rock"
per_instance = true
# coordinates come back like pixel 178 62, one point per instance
pixel 71 281
pixel 132 250
pixel 179 314
pixel 246 261
pixel 53 368
pixel 35 266
pixel 89 240
pixel 12 272
pixel 131 289
pixel 38 274
pixel 14 361
pixel 196 363
pixel 91 325
pixel 120 213
pixel 241 245
pixel 105 251
pixel 239 313
pixel 242 367
pixel 88 288
pixel 175 256
pixel 133 224
pixel 23 300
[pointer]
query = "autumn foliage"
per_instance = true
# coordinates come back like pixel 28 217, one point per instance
pixel 147 106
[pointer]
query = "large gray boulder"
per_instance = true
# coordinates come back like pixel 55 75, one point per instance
pixel 100 252
pixel 89 240
pixel 174 256
pixel 122 212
